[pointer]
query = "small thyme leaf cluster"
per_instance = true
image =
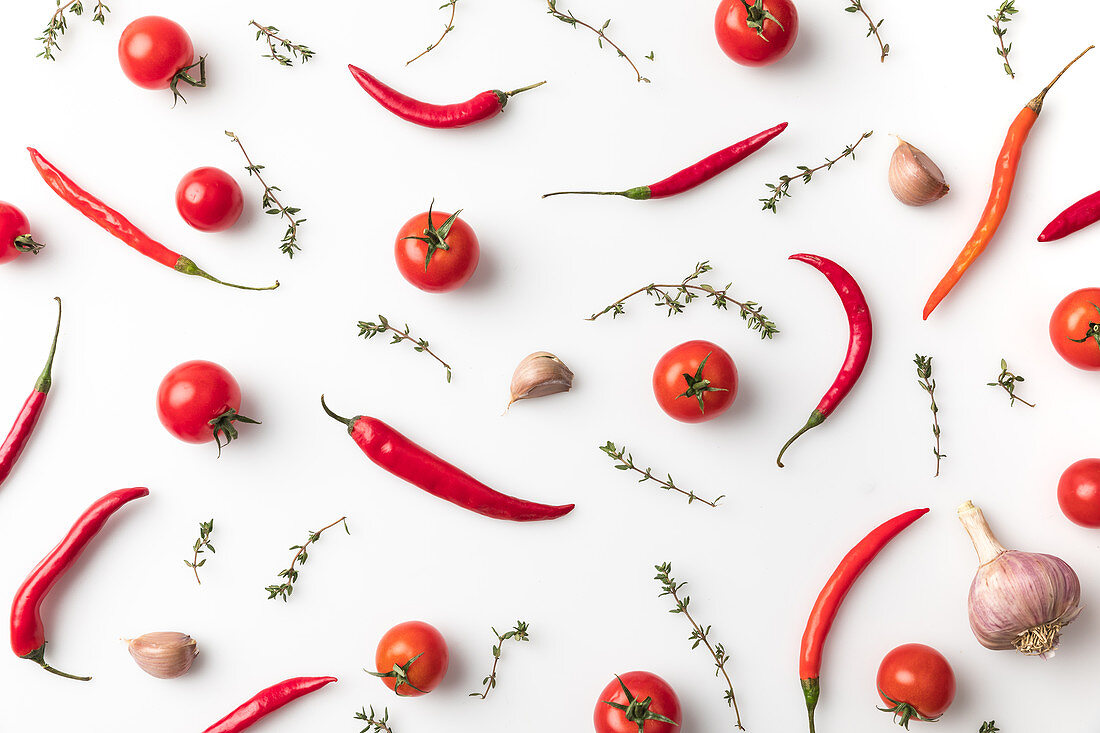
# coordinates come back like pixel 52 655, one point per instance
pixel 1006 380
pixel 59 24
pixel 375 724
pixel 275 42
pixel 201 545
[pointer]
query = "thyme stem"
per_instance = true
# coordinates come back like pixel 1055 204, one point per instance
pixel 271 203
pixel 201 544
pixel 369 329
pixel 518 633
pixel 290 575
pixel 1004 14
pixel 924 379
pixel 872 27
pixel 374 723
pixel 601 36
pixel 450 27
pixel 626 463
pixel 1006 380
pixel 58 25
pixel 271 36
pixel 780 190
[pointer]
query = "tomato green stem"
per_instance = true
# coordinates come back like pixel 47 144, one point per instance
pixel 188 267
pixel 26 243
pixel 816 418
pixel 45 379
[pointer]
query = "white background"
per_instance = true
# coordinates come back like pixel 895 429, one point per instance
pixel 584 582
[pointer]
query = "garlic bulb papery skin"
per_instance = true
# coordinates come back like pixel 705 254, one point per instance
pixel 165 655
pixel 538 375
pixel 1018 600
pixel 914 178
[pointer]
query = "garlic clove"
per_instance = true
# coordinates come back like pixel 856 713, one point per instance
pixel 914 178
pixel 163 654
pixel 538 375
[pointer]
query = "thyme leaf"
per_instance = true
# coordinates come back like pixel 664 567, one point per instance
pixel 375 724
pixel 271 204
pixel 290 575
pixel 59 24
pixel 924 379
pixel 805 174
pixel 369 329
pixel 1006 380
pixel 626 463
pixel 201 545
pixel 518 633
pixel 275 42
pixel 1004 15
pixel 872 27
pixel 601 34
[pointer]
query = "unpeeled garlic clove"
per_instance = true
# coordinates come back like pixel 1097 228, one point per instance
pixel 914 178
pixel 164 654
pixel 538 375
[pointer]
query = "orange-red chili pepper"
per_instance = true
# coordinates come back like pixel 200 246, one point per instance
pixel 1004 176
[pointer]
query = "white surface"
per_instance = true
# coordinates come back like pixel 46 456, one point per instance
pixel 584 582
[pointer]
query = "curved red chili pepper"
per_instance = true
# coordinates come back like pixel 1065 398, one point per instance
pixel 28 637
pixel 441 116
pixel 118 225
pixel 405 459
pixel 267 701
pixel 693 175
pixel 832 595
pixel 1076 217
pixel 859 341
pixel 21 431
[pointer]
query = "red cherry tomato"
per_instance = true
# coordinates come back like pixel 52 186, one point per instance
pixel 1079 492
pixel 198 402
pixel 15 236
pixel 695 381
pixel 1075 328
pixel 916 683
pixel 637 698
pixel 756 36
pixel 412 658
pixel 156 53
pixel 437 252
pixel 209 199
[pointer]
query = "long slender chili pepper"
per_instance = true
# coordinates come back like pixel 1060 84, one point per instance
pixel 859 341
pixel 28 637
pixel 118 225
pixel 832 595
pixel 267 701
pixel 1076 217
pixel 441 116
pixel 1004 175
pixel 21 430
pixel 693 175
pixel 405 459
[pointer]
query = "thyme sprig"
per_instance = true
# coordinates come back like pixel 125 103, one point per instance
pixel 369 329
pixel 601 34
pixel 201 545
pixel 872 27
pixel 1006 380
pixel 59 24
pixel 805 174
pixel 1004 15
pixel 518 633
pixel 626 463
pixel 924 379
pixel 290 575
pixel 989 727
pixel 450 27
pixel 670 295
pixel 699 634
pixel 375 724
pixel 274 41
pixel 271 204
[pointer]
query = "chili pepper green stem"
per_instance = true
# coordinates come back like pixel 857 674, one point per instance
pixel 188 267
pixel 45 380
pixel 639 193
pixel 811 690
pixel 503 97
pixel 816 418
pixel 347 421
pixel 39 656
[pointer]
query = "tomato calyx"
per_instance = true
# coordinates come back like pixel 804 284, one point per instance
pixel 400 675
pixel 1093 331
pixel 637 711
pixel 186 78
pixel 904 712
pixel 25 243
pixel 756 14
pixel 224 428
pixel 436 238
pixel 697 386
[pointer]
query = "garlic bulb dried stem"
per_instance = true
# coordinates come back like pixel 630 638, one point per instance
pixel 914 178
pixel 538 375
pixel 163 654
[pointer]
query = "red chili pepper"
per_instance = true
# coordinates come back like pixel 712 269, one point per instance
pixel 118 225
pixel 832 595
pixel 28 637
pixel 405 459
pixel 692 176
pixel 267 701
pixel 1080 215
pixel 21 431
pixel 441 116
pixel 859 341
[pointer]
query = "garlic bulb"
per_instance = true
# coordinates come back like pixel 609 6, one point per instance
pixel 914 178
pixel 1018 600
pixel 538 375
pixel 163 654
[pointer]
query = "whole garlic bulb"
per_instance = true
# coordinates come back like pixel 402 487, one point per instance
pixel 538 375
pixel 1018 600
pixel 164 654
pixel 914 178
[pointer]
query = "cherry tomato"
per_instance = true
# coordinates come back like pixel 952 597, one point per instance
pixel 916 683
pixel 1075 328
pixel 637 699
pixel 756 33
pixel 15 236
pixel 198 402
pixel 437 252
pixel 156 53
pixel 1079 492
pixel 209 199
pixel 695 381
pixel 412 658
